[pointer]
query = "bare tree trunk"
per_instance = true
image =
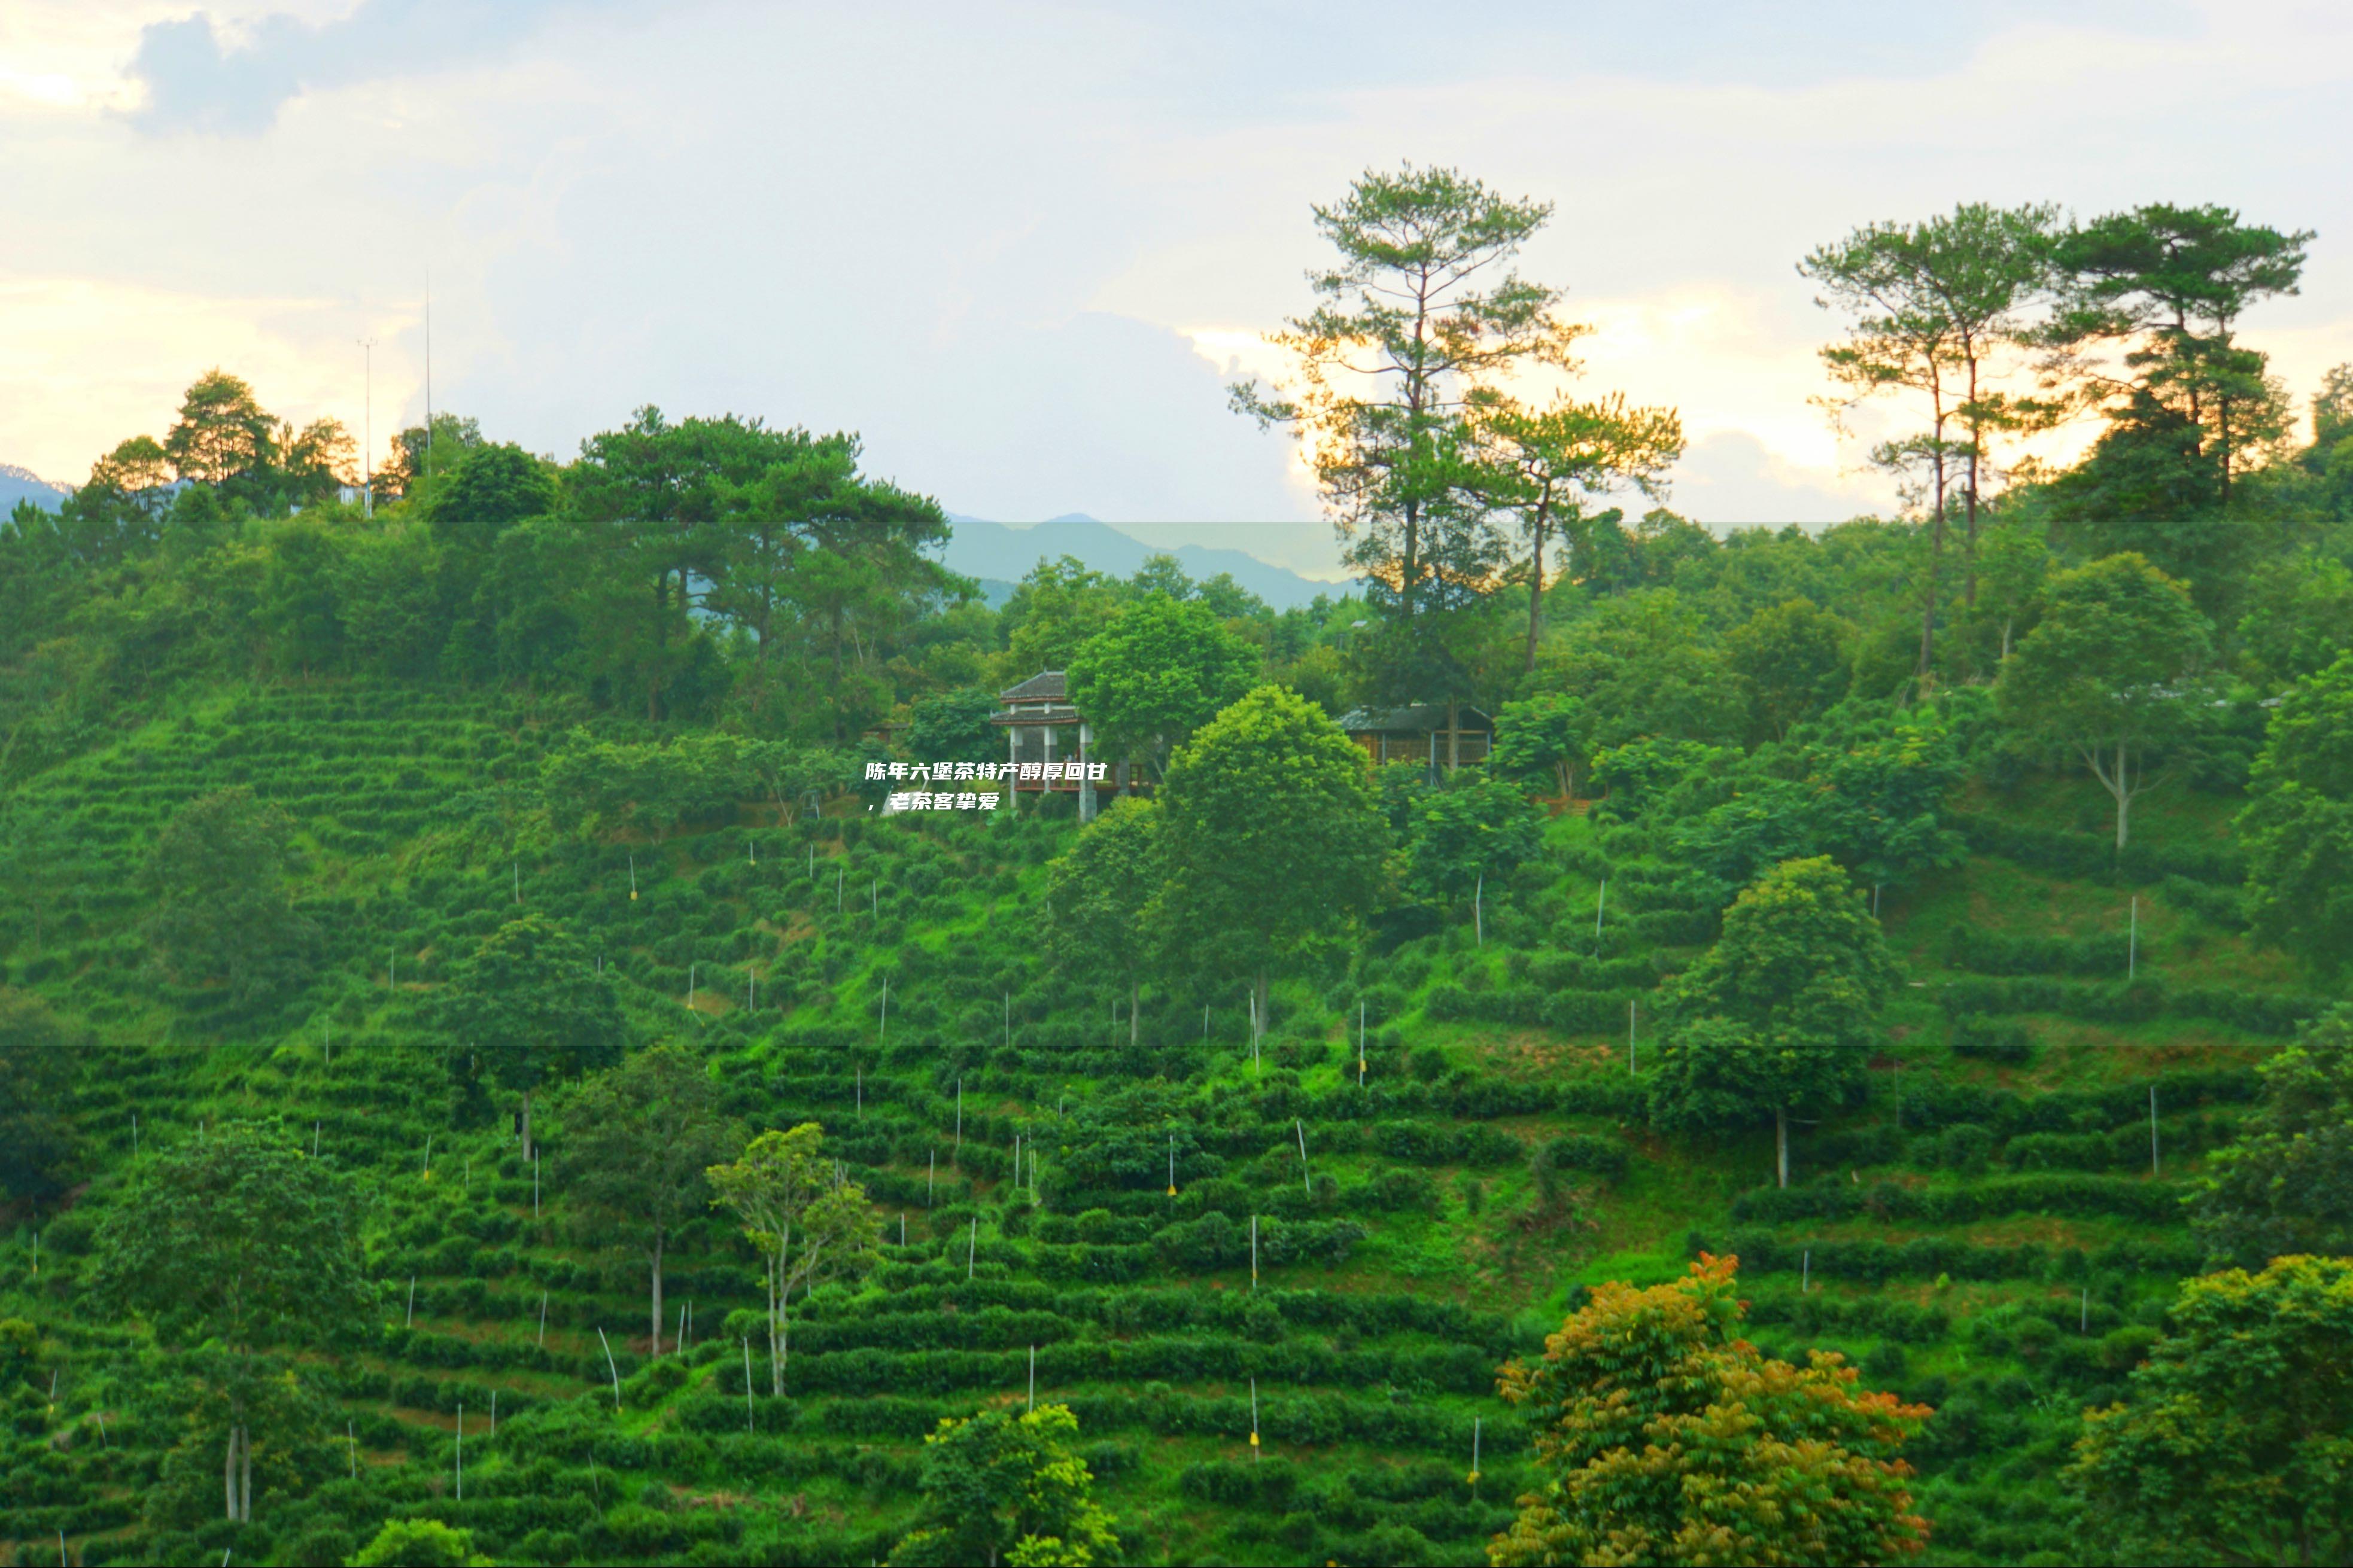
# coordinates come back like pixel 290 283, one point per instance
pixel 657 1293
pixel 245 1475
pixel 775 1351
pixel 2124 799
pixel 228 1473
pixel 1536 588
pixel 1781 1142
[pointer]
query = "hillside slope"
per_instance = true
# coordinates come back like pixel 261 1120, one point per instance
pixel 1348 1254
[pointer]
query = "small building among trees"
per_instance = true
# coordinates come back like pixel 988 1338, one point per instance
pixel 1430 732
pixel 1051 746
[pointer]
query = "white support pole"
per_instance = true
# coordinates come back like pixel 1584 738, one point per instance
pixel 1478 911
pixel 972 1246
pixel 1601 902
pixel 1033 1377
pixel 610 1367
pixel 747 1384
pixel 1254 1420
pixel 1301 1128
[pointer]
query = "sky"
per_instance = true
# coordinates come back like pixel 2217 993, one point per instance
pixel 1022 248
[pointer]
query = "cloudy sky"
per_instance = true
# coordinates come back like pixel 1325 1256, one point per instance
pixel 1021 247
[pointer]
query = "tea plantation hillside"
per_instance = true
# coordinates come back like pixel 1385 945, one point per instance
pixel 1273 1286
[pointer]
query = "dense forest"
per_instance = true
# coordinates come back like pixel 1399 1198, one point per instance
pixel 1861 1069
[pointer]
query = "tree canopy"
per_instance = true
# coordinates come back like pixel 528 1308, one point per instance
pixel 1661 1436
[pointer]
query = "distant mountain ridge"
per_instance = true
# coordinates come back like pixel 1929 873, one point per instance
pixel 22 484
pixel 1003 553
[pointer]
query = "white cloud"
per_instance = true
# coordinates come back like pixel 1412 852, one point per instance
pixel 1022 249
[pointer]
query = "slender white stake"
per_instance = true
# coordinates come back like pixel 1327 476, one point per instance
pixel 972 1246
pixel 1360 1044
pixel 1172 1164
pixel 611 1368
pixel 429 1153
pixel 902 1228
pixel 678 1340
pixel 352 1436
pixel 1254 1420
pixel 543 1318
pixel 314 1139
pixel 2083 1323
pixel 747 1343
pixel 1033 1377
pixel 1806 1272
pixel 1601 902
pixel 1301 1128
pixel 1254 1252
pixel 689 984
pixel 1475 1423
pixel 1478 910
pixel 412 1303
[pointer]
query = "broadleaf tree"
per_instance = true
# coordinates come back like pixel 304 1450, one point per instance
pixel 636 1140
pixel 1274 840
pixel 1662 1435
pixel 805 1221
pixel 2112 672
pixel 235 1247
pixel 1160 671
pixel 1780 1013
pixel 528 1007
pixel 1099 897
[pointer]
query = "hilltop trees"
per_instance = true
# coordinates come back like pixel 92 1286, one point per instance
pixel 233 1246
pixel 1932 304
pixel 528 1004
pixel 1661 1436
pixel 1274 838
pixel 2111 673
pixel 637 1142
pixel 2231 1446
pixel 1550 462
pixel 1418 308
pixel 1778 1013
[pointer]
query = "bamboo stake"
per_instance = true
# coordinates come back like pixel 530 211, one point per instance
pixel 610 1367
